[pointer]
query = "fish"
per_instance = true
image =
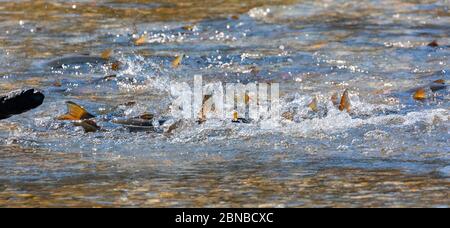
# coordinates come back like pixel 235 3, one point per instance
pixel 88 125
pixel 82 118
pixel 20 101
pixel 136 124
pixel 106 54
pixel 420 94
pixel 313 105
pixel 345 102
pixel 177 61
pixel 75 112
pixel 190 28
pixel 424 92
pixel 141 40
pixel 147 122
pixel 169 128
pixel 76 60
pixel 109 77
pixel 104 58
pixel 434 43
pixel 288 116
pixel 438 85
pixel 314 110
pixel 115 66
pixel 237 119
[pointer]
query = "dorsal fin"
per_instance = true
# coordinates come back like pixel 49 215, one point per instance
pixel 235 116
pixel 434 43
pixel 115 66
pixel 313 105
pixel 345 102
pixel 189 27
pixel 141 40
pixel 106 54
pixel 420 94
pixel 247 99
pixel 177 61
pixel 75 112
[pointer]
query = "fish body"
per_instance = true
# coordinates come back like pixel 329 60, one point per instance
pixel 136 124
pixel 438 85
pixel 88 125
pixel 103 58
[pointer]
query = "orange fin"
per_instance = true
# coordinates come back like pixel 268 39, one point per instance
pixel 141 40
pixel 75 112
pixel 313 105
pixel 106 54
pixel 115 66
pixel 345 102
pixel 420 94
pixel 235 116
pixel 247 99
pixel 177 61
pixel 189 27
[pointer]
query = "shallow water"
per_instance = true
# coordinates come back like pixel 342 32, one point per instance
pixel 390 151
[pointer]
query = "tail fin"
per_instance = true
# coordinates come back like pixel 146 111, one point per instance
pixel 75 112
pixel 345 102
pixel 20 101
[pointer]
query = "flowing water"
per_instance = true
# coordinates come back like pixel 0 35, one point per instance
pixel 390 151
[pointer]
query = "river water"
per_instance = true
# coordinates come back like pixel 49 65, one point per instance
pixel 389 151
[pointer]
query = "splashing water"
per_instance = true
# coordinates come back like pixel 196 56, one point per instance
pixel 390 150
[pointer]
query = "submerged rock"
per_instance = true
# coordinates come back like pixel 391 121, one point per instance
pixel 20 101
